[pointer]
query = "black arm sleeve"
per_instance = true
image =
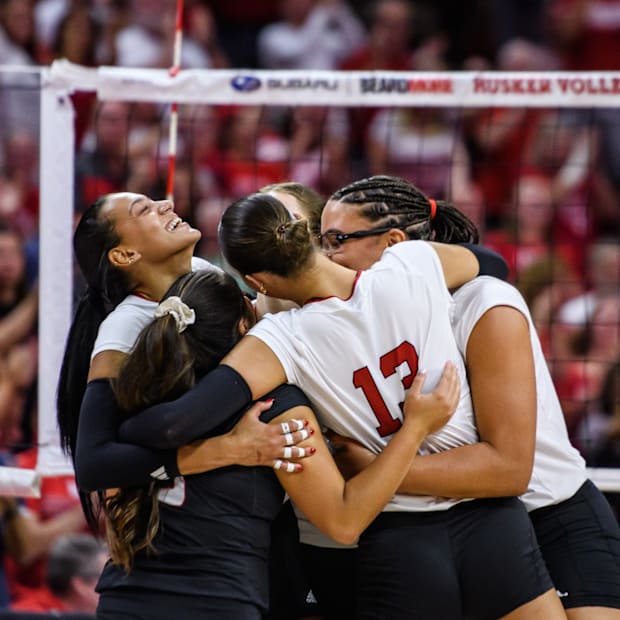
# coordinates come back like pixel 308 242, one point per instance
pixel 491 263
pixel 209 404
pixel 101 461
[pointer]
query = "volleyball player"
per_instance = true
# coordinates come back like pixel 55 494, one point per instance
pixel 292 595
pixel 354 347
pixel 130 249
pixel 524 447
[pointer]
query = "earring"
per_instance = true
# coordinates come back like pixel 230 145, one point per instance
pixel 261 289
pixel 130 260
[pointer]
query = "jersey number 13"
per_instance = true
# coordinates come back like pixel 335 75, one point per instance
pixel 388 363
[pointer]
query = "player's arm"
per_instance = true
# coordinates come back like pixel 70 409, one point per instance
pixel 102 461
pixel 501 376
pixel 463 262
pixel 342 510
pixel 247 373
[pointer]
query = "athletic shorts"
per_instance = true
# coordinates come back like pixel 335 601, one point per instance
pixel 290 594
pixel 156 605
pixel 479 559
pixel 580 542
pixel 331 575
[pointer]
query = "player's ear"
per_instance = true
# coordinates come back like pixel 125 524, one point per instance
pixel 396 235
pixel 122 257
pixel 254 283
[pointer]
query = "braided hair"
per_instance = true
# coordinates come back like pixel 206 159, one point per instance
pixel 392 201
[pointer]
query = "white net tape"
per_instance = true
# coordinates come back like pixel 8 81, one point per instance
pixel 352 88
pixel 18 482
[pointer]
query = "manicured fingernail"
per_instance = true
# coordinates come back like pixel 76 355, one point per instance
pixel 312 431
pixel 311 450
pixel 306 422
pixel 269 401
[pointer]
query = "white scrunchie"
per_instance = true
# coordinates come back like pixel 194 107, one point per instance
pixel 182 313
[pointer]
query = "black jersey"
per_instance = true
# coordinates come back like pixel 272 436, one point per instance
pixel 214 535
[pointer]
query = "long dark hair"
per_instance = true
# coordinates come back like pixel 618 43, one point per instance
pixel 258 233
pixel 164 364
pixel 392 201
pixel 106 287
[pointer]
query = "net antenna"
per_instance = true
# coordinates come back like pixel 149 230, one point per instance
pixel 174 111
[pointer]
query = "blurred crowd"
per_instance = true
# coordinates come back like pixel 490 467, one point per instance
pixel 542 185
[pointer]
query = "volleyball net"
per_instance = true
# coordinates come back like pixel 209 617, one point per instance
pixel 530 157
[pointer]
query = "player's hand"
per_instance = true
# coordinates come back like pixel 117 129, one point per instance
pixel 433 410
pixel 271 445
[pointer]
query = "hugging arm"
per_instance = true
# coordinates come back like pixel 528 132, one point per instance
pixel 247 373
pixel 100 460
pixel 342 510
pixel 502 380
pixel 490 263
pixel 213 401
pixel 463 262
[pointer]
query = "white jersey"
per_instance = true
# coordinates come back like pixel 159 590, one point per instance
pixel 355 358
pixel 121 328
pixel 559 470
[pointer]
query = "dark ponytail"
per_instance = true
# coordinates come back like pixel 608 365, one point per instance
pixel 106 287
pixel 258 233
pixel 162 366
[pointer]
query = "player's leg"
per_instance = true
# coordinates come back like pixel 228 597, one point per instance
pixel 592 613
pixel 406 570
pixel 547 606
pixel 501 569
pixel 580 542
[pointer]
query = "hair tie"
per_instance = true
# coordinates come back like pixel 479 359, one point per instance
pixel 433 208
pixel 183 315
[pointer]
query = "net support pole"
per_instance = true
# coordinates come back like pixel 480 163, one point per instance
pixel 55 265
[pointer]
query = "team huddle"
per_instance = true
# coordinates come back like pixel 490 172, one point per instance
pixel 376 425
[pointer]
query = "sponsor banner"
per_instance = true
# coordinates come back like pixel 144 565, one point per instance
pixel 352 88
pixel 223 86
pixel 467 89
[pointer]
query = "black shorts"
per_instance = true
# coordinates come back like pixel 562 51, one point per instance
pixel 331 575
pixel 157 605
pixel 290 594
pixel 580 542
pixel 479 559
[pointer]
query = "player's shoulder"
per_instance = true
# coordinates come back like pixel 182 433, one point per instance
pixel 415 248
pixel 488 291
pixel 199 263
pixel 285 397
pixel 128 316
pixel 131 306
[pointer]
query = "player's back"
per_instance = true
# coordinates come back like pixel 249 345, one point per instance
pixel 356 357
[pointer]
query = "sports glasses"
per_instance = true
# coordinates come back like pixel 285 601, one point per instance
pixel 333 240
